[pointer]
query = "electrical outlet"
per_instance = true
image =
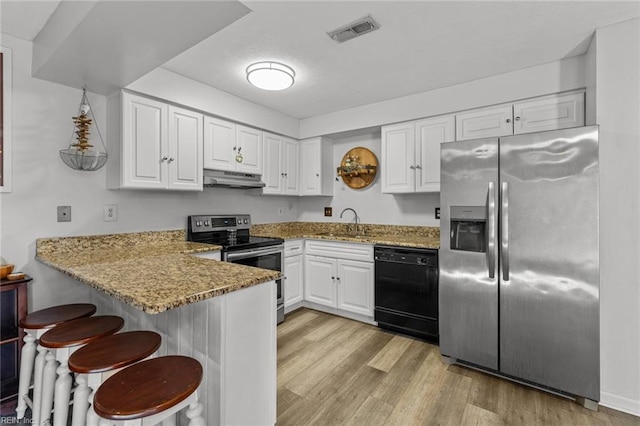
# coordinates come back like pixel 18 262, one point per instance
pixel 437 213
pixel 110 212
pixel 280 211
pixel 328 211
pixel 64 213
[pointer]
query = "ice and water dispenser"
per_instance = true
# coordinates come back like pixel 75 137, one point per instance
pixel 468 228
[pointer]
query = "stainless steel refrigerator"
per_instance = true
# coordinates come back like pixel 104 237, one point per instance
pixel 519 268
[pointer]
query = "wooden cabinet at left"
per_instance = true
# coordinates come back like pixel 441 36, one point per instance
pixel 13 308
pixel 153 145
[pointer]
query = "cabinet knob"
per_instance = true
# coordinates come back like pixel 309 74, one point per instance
pixel 418 166
pixel 170 160
pixel 286 175
pixel 412 167
pixel 338 278
pixel 508 120
pixel 317 174
pixel 517 118
pixel 235 147
pixel 281 174
pixel 333 278
pixel 164 158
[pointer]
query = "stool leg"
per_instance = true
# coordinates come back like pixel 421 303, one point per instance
pixel 62 395
pixel 92 418
pixel 80 401
pixel 48 384
pixel 37 384
pixel 194 414
pixel 26 370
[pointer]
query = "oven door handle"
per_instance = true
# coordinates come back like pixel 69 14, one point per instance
pixel 253 253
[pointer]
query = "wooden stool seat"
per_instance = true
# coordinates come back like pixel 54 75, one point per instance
pixel 102 358
pixel 81 331
pixel 35 325
pixel 63 340
pixel 50 317
pixel 147 388
pixel 114 352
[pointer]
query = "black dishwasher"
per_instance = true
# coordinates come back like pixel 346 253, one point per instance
pixel 406 290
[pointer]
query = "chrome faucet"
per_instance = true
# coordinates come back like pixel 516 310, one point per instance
pixel 356 218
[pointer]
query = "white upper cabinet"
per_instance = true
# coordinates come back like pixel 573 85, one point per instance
pixel 232 147
pixel 484 123
pixel 219 141
pixel 248 153
pixel 411 154
pixel 316 169
pixel 159 146
pixel 549 113
pixel 430 133
pixel 185 149
pixel 539 114
pixel 281 165
pixel 398 155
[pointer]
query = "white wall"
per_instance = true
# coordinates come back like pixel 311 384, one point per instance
pixel 543 79
pixel 372 206
pixel 618 114
pixel 42 126
pixel 173 87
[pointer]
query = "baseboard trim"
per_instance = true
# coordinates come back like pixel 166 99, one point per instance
pixel 620 403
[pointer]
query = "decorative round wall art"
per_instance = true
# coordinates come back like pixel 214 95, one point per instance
pixel 358 168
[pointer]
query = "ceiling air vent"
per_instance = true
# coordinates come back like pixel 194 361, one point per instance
pixel 355 29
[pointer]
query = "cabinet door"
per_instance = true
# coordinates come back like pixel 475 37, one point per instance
pixel 319 280
pixel 293 280
pixel 272 174
pixel 291 167
pixel 355 287
pixel 549 113
pixel 248 157
pixel 310 160
pixel 398 155
pixel 219 144
pixel 145 143
pixel 430 133
pixel 185 149
pixel 485 123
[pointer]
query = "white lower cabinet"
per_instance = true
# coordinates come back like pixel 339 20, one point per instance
pixel 355 287
pixel 343 284
pixel 334 280
pixel 293 274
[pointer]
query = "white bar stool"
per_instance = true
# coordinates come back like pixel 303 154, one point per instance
pixel 35 325
pixel 151 392
pixel 99 360
pixel 62 341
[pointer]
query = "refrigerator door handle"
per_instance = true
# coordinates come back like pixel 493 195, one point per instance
pixel 491 241
pixel 504 224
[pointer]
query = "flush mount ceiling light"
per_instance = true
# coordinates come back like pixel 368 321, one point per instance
pixel 269 75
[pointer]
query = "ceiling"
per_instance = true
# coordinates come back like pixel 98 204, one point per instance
pixel 421 45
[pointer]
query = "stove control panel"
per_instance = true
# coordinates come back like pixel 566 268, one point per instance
pixel 208 223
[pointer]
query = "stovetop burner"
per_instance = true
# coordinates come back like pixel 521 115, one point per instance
pixel 232 232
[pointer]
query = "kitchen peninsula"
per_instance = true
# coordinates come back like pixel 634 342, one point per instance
pixel 220 313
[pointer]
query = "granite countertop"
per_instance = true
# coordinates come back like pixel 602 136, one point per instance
pixel 405 236
pixel 151 271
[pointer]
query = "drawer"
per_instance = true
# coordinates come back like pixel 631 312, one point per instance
pixel 293 247
pixel 351 251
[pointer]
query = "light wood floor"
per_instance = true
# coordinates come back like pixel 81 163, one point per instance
pixel 334 371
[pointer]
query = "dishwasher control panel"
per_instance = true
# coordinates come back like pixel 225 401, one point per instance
pixel 408 256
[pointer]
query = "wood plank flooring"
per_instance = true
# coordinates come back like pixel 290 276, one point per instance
pixel 335 371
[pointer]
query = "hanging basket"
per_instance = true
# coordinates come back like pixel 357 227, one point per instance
pixel 86 161
pixel 80 155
